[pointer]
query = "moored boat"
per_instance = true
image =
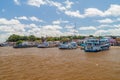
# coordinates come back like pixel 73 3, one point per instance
pixel 95 45
pixel 43 45
pixel 24 45
pixel 68 45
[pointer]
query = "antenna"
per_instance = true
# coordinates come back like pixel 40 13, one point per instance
pixel 74 29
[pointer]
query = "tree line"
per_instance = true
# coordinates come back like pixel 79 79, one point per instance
pixel 15 38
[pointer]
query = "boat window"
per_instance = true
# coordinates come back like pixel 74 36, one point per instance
pixel 96 44
pixel 89 44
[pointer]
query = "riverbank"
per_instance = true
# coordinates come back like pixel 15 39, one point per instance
pixel 55 64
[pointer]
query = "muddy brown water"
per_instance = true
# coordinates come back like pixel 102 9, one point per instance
pixel 55 64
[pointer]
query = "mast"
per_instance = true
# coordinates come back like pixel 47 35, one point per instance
pixel 74 29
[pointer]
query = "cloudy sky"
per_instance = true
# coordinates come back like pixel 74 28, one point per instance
pixel 59 17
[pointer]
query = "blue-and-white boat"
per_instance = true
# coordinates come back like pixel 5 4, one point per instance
pixel 94 45
pixel 3 44
pixel 104 44
pixel 24 45
pixel 43 45
pixel 68 45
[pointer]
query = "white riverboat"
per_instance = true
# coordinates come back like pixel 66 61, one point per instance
pixel 94 45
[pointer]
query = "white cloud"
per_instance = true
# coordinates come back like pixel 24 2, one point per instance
pixel 114 26
pixel 111 30
pixel 68 4
pixel 52 27
pixel 8 27
pixel 4 21
pixel 64 21
pixel 69 27
pixel 74 14
pixel 58 5
pixel 90 12
pixel 114 10
pixel 3 37
pixel 101 32
pixel 31 27
pixel 51 33
pixel 46 30
pixel 13 26
pixel 57 22
pixel 107 20
pixel 17 2
pixel 65 9
pixel 103 26
pixel 73 31
pixel 22 18
pixel 87 28
pixel 114 32
pixel 33 18
pixel 36 3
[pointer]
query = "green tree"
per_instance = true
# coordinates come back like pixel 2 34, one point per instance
pixel 50 39
pixel 24 38
pixel 81 37
pixel 14 38
pixel 98 37
pixel 32 38
pixel 65 39
pixel 19 42
pixel 91 36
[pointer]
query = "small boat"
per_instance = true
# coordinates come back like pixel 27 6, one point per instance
pixel 3 44
pixel 24 45
pixel 95 45
pixel 82 46
pixel 68 45
pixel 43 45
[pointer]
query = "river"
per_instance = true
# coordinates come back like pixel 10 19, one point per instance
pixel 55 64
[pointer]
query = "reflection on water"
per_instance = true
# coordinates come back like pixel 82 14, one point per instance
pixel 55 64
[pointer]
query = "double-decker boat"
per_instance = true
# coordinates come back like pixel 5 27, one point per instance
pixel 94 45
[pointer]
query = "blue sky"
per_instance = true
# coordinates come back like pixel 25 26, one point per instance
pixel 59 17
